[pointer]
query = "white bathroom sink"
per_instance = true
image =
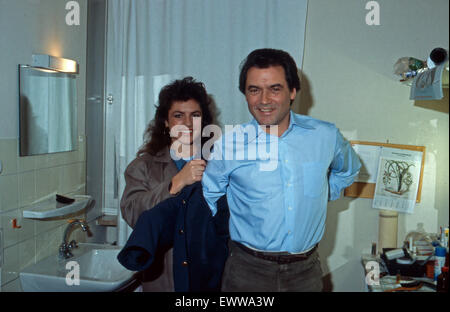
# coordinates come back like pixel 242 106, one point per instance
pixel 96 266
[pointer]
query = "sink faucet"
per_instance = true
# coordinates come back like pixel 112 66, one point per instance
pixel 65 247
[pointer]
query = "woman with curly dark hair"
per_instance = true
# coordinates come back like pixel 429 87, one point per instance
pixel 167 161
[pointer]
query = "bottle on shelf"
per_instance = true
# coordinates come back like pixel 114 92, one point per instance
pixel 439 260
pixel 442 281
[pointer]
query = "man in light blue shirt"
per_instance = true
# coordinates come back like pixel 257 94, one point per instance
pixel 278 172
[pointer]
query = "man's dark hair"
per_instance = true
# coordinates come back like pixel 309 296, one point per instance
pixel 264 58
pixel 156 136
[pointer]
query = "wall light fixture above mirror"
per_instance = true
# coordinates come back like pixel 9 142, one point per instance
pixel 59 64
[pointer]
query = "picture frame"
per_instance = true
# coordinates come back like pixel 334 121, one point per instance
pixel 367 189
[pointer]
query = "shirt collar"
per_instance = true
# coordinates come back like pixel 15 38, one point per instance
pixel 175 158
pixel 299 120
pixel 294 120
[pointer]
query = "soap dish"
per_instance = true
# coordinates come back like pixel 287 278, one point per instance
pixel 51 208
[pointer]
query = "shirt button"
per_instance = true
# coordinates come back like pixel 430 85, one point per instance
pixel 184 202
pixel 289 232
pixel 289 208
pixel 181 231
pixel 184 263
pixel 288 184
pixel 286 160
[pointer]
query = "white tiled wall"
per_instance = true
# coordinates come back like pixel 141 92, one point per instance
pixel 24 180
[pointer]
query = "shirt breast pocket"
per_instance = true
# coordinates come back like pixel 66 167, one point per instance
pixel 314 179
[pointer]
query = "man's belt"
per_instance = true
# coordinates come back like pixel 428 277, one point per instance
pixel 280 258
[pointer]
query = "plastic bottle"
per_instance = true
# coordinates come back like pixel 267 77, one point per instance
pixel 439 260
pixel 445 238
pixel 442 281
pixel 429 269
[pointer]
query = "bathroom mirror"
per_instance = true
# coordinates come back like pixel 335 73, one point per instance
pixel 47 111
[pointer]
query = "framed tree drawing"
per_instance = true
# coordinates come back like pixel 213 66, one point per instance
pixel 397 174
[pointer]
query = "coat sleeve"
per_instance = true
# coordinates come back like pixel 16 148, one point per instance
pixel 141 193
pixel 153 232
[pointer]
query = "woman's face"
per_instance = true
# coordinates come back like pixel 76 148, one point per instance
pixel 182 113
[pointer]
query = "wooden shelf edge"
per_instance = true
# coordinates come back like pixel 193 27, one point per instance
pixel 107 220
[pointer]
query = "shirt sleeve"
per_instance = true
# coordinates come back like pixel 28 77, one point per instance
pixel 344 167
pixel 215 178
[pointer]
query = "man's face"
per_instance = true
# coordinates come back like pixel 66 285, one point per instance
pixel 268 96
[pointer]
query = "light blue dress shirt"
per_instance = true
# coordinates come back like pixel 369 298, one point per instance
pixel 278 187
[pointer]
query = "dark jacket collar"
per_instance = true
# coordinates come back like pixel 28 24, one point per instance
pixel 187 191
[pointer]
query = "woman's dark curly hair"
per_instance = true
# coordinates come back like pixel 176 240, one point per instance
pixel 156 136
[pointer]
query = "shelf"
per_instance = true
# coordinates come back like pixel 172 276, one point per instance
pixel 444 79
pixel 50 208
pixel 107 220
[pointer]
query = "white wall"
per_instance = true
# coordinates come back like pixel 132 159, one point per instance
pixel 348 79
pixel 28 27
pixel 37 26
